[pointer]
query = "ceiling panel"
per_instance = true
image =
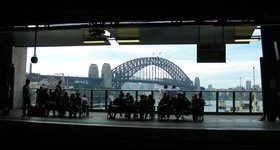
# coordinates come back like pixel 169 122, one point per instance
pixel 146 35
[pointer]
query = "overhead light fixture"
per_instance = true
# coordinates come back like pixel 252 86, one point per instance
pixel 128 41
pixel 247 40
pixel 94 42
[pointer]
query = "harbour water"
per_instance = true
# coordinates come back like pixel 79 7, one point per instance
pixel 228 106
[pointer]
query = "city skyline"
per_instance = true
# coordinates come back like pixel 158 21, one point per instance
pixel 76 60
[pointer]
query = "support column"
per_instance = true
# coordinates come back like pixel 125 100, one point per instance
pixel 19 60
pixel 270 71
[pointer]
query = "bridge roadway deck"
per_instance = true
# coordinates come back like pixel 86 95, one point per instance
pixel 216 132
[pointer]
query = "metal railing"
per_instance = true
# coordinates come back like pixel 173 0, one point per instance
pixel 217 102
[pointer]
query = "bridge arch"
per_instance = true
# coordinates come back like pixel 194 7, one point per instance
pixel 125 71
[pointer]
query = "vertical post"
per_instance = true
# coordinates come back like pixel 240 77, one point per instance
pixel 269 68
pixel 233 102
pixel 106 98
pixel 136 96
pixel 253 94
pixel 217 102
pixel 91 99
pixel 241 95
pixel 250 102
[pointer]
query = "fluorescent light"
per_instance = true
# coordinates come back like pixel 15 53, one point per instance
pixel 128 41
pixel 94 42
pixel 247 40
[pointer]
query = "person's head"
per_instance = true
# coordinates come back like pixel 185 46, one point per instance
pixel 179 94
pixel 194 96
pixel 200 94
pixel 165 87
pixel 27 81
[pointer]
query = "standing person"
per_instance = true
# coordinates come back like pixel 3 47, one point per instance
pixel 164 91
pixel 59 87
pixel 26 97
pixel 202 104
pixel 85 105
pixel 195 107
pixel 173 92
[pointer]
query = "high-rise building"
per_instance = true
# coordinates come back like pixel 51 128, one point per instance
pixel 93 71
pixel 197 83
pixel 248 85
pixel 106 74
pixel 210 87
pixel 30 68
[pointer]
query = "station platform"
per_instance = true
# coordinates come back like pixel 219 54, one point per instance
pixel 216 132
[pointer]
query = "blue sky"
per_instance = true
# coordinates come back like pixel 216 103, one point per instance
pixel 75 61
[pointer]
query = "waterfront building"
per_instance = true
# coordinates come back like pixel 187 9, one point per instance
pixel 248 85
pixel 106 74
pixel 93 71
pixel 197 83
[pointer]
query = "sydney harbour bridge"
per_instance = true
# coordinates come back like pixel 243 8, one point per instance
pixel 154 70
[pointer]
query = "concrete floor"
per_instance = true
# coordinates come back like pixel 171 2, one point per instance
pixel 211 122
pixel 218 132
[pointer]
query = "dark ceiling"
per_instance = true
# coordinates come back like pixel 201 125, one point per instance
pixel 48 12
pixel 67 22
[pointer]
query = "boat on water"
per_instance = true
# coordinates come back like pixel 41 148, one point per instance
pixel 208 104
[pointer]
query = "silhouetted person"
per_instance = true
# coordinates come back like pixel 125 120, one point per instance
pixel 59 87
pixel 173 92
pixel 142 106
pixel 26 97
pixel 151 106
pixel 85 105
pixel 202 104
pixel 164 91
